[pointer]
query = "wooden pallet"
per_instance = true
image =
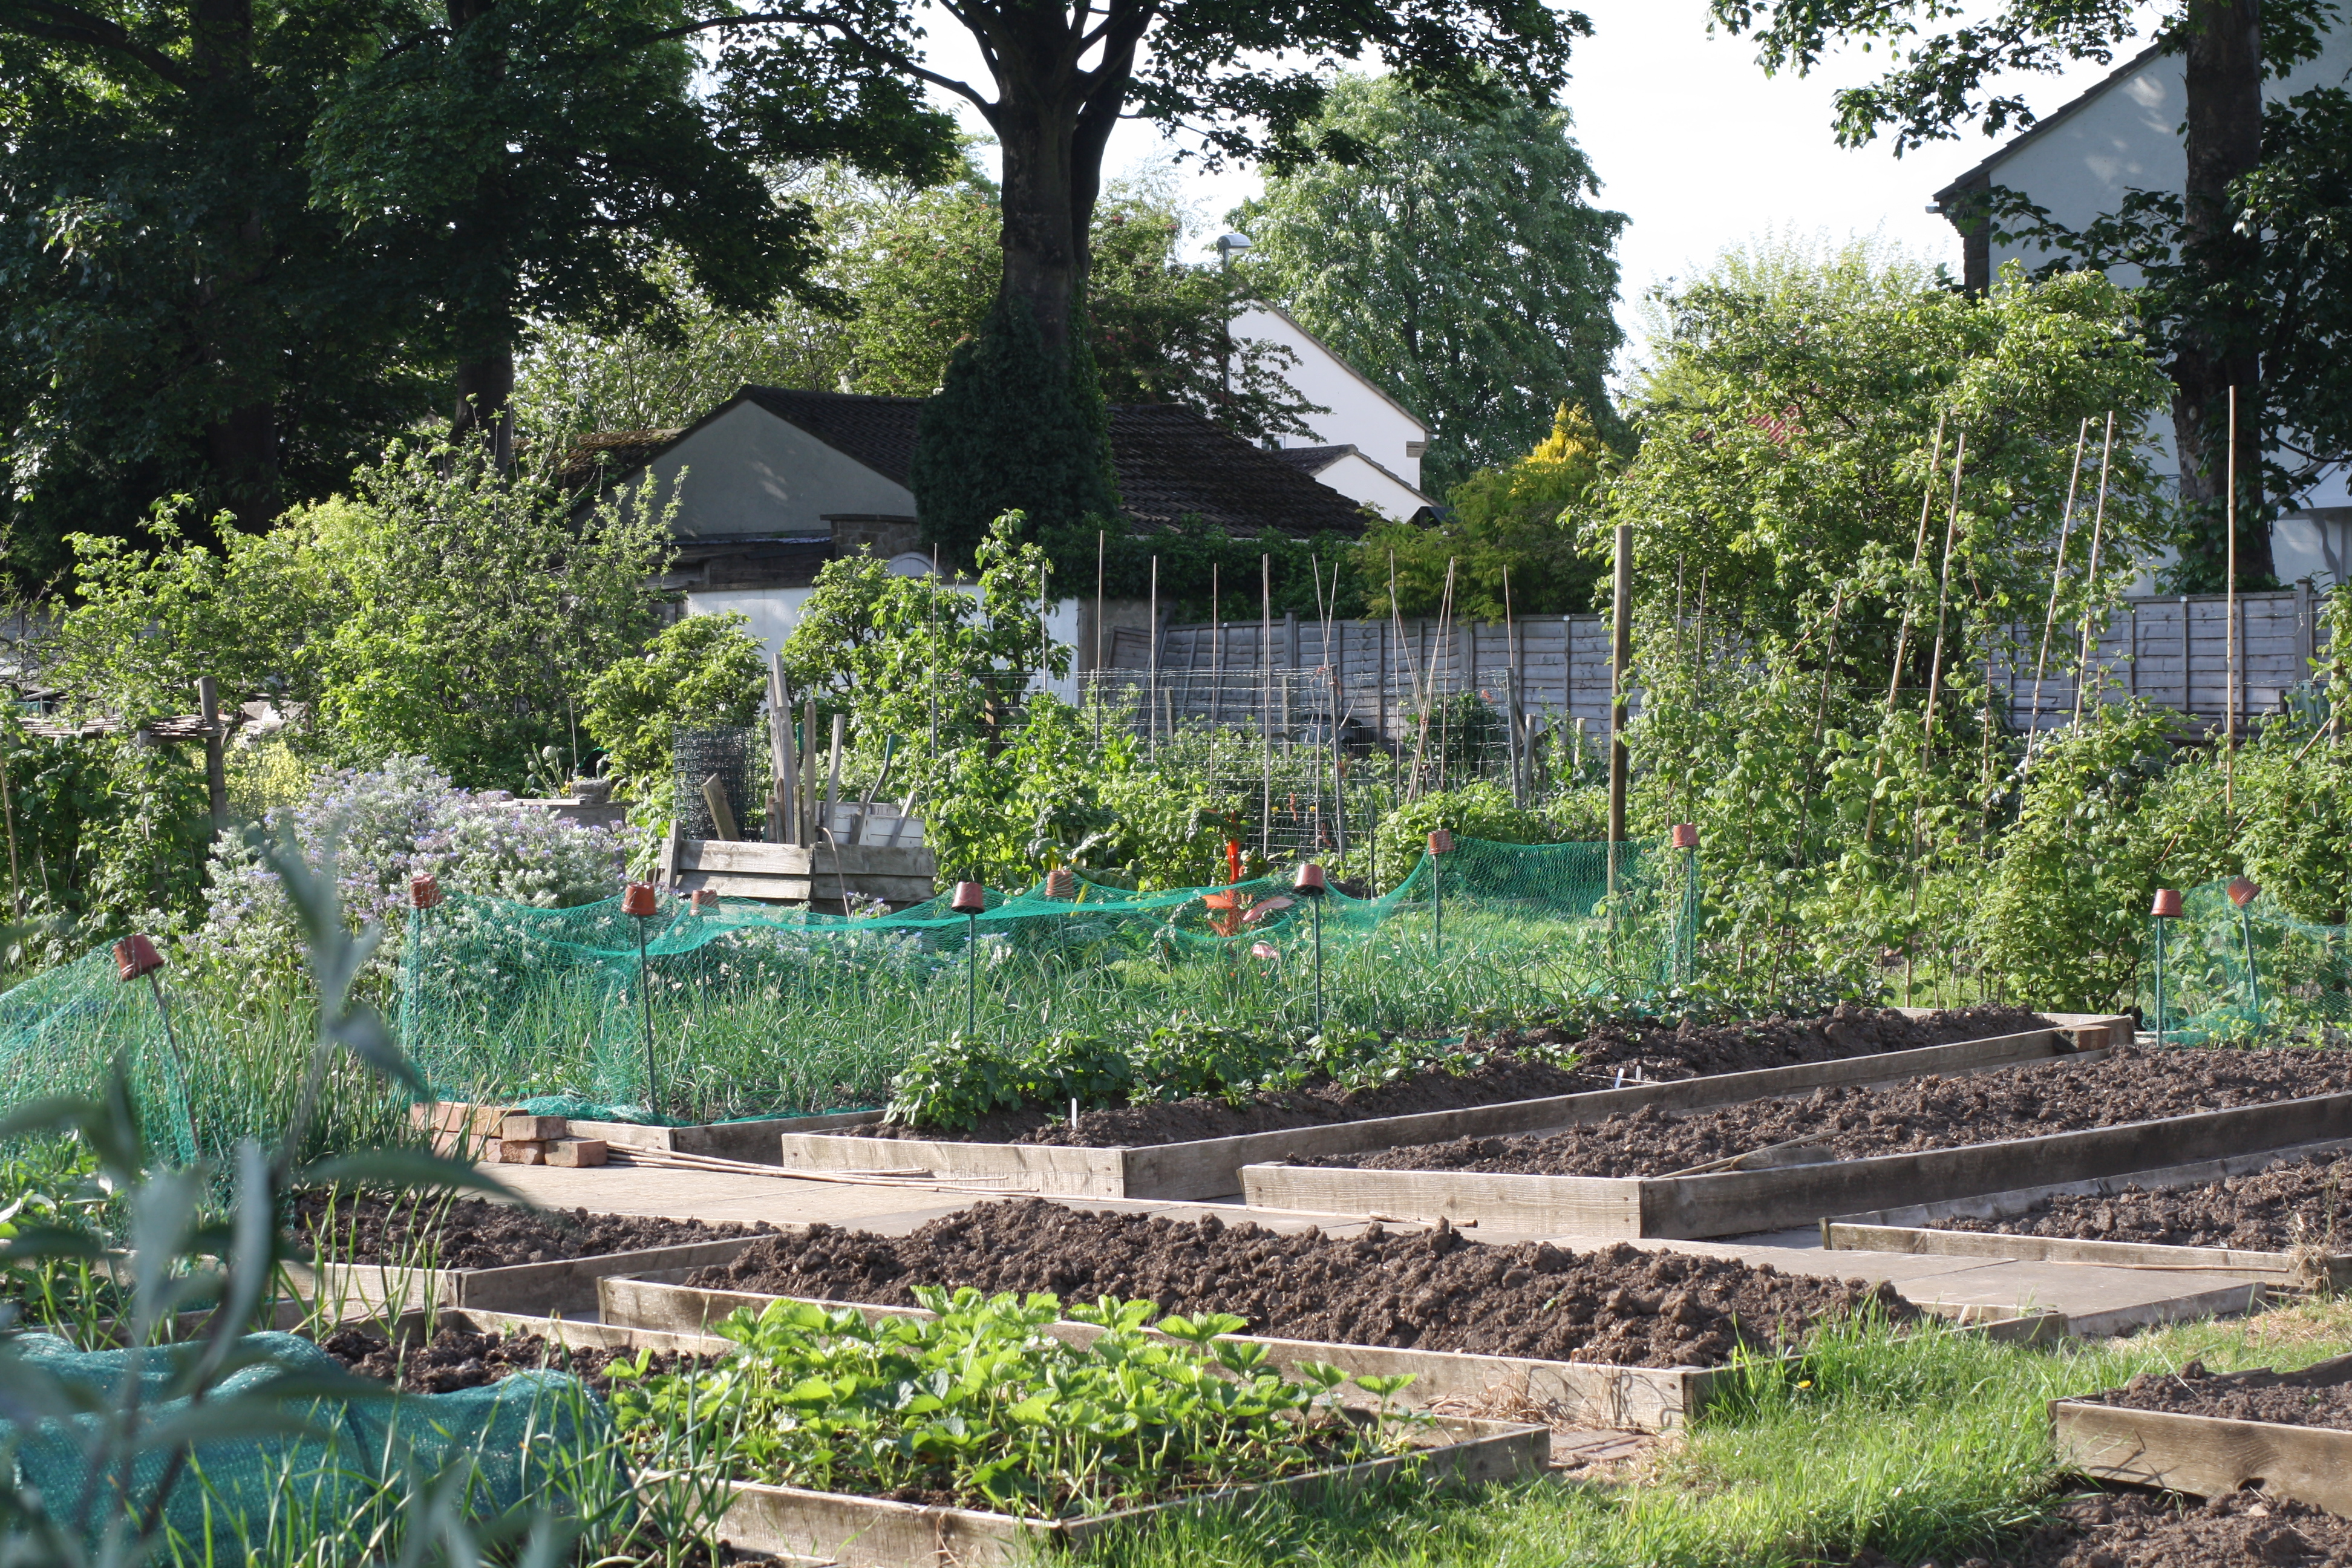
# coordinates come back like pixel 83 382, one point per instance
pixel 823 875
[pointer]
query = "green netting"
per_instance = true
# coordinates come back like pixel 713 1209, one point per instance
pixel 535 1439
pixel 758 1010
pixel 60 1031
pixel 2233 973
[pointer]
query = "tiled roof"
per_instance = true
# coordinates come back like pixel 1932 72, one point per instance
pixel 611 452
pixel 1312 459
pixel 1173 466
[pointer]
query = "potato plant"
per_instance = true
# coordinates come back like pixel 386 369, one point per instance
pixel 979 1407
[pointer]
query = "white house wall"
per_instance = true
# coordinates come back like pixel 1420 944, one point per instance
pixel 1364 483
pixel 749 472
pixel 1361 415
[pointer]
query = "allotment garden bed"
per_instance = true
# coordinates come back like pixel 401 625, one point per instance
pixel 1485 1068
pixel 2148 1530
pixel 1428 1291
pixel 2212 1435
pixel 472 1233
pixel 2296 1203
pixel 1852 1124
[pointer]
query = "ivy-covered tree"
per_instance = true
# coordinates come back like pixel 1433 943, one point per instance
pixel 1454 258
pixel 1019 420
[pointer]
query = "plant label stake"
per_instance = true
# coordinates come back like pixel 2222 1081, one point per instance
pixel 969 899
pixel 1686 841
pixel 135 955
pixel 424 893
pixel 1310 885
pixel 1440 843
pixel 2243 893
pixel 2167 907
pixel 638 900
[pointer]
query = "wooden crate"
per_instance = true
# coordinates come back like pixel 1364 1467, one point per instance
pixel 2207 1456
pixel 1212 1167
pixel 1915 1229
pixel 820 873
pixel 1739 1202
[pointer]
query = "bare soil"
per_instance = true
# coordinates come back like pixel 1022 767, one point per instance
pixel 1932 1112
pixel 2129 1528
pixel 2321 1396
pixel 2297 1202
pixel 459 1358
pixel 1419 1289
pixel 475 1234
pixel 1632 1049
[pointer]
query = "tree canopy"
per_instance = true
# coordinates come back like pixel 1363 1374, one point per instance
pixel 1451 256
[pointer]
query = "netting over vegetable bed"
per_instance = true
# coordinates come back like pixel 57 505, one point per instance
pixel 2239 971
pixel 758 1010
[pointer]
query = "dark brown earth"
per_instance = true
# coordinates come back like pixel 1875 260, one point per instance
pixel 1934 1112
pixel 459 1358
pixel 1630 1048
pixel 2320 1397
pixel 2122 1528
pixel 1422 1290
pixel 2298 1203
pixel 474 1234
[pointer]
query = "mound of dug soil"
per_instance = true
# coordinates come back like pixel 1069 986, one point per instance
pixel 1934 1112
pixel 1420 1291
pixel 1628 1047
pixel 2318 1398
pixel 2144 1530
pixel 475 1234
pixel 459 1358
pixel 2266 1211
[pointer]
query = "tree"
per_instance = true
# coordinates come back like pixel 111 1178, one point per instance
pixel 177 317
pixel 441 610
pixel 1452 258
pixel 703 672
pixel 526 159
pixel 1062 78
pixel 1510 536
pixel 1945 78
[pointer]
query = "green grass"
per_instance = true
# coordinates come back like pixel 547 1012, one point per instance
pixel 1935 1446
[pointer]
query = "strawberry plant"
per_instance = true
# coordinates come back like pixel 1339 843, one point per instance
pixel 979 1407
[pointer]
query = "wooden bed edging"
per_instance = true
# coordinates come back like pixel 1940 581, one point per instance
pixel 1914 1230
pixel 564 1285
pixel 1738 1203
pixel 2209 1455
pixel 870 1532
pixel 1212 1167
pixel 1585 1394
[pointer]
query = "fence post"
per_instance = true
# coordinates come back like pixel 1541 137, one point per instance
pixel 1620 655
pixel 2243 893
pixel 2167 907
pixel 216 753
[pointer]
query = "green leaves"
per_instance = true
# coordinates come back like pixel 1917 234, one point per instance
pixel 984 1401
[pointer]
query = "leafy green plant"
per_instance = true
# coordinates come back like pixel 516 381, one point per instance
pixel 976 1404
pixel 703 672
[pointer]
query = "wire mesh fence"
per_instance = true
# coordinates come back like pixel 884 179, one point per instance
pixel 2233 971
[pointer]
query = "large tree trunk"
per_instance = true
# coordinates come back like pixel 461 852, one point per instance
pixel 241 441
pixel 2224 81
pixel 485 405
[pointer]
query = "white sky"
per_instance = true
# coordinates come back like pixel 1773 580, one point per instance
pixel 1691 140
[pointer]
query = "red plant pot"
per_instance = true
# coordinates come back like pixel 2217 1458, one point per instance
pixel 1309 883
pixel 1685 834
pixel 2167 904
pixel 1441 842
pixel 638 899
pixel 2243 892
pixel 424 891
pixel 969 899
pixel 135 955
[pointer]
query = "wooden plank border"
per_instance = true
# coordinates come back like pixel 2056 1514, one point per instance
pixel 870 1532
pixel 562 1286
pixel 2208 1456
pixel 1915 1229
pixel 1737 1202
pixel 1212 1167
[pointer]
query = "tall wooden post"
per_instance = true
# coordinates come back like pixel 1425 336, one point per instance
pixel 215 753
pixel 1621 658
pixel 784 824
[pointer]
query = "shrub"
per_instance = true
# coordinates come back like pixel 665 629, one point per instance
pixel 1475 810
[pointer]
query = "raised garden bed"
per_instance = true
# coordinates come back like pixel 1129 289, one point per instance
pixel 2290 1435
pixel 855 1532
pixel 1210 1167
pixel 493 1256
pixel 2273 1213
pixel 1617 1338
pixel 2144 1531
pixel 473 1131
pixel 1768 1166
